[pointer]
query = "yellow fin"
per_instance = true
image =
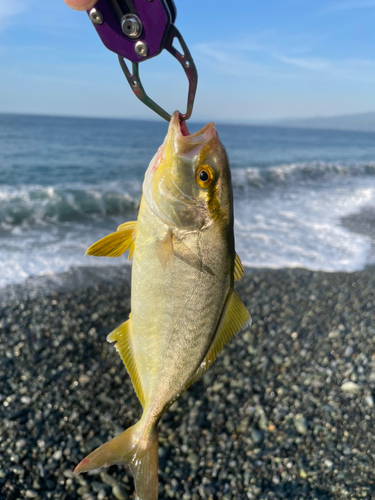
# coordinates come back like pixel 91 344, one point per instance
pixel 123 338
pixel 127 225
pixel 235 318
pixel 164 251
pixel 238 268
pixel 137 448
pixel 115 244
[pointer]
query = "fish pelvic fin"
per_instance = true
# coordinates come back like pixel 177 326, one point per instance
pixel 136 447
pixel 235 318
pixel 238 268
pixel 124 346
pixel 165 251
pixel 115 244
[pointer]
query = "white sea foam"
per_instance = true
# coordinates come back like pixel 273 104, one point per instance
pixel 296 223
pixel 300 227
pixel 34 205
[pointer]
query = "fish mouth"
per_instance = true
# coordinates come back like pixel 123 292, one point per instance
pixel 173 164
pixel 181 130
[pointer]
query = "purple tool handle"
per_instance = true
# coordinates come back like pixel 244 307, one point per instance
pixel 156 23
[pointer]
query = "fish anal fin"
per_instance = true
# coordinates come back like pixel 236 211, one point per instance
pixel 122 335
pixel 165 251
pixel 115 244
pixel 238 268
pixel 235 318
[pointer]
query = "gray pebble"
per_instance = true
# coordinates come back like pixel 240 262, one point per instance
pixel 107 479
pixel 348 351
pixel 84 379
pixel 82 490
pixel 17 469
pixel 234 433
pixel 31 494
pixel 369 400
pixel 119 492
pixel 57 455
pixel 192 459
pixel 256 436
pixel 351 387
pixel 300 423
pixel 20 444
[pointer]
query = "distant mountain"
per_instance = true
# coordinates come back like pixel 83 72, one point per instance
pixel 364 122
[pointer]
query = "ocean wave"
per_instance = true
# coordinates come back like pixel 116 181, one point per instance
pixel 299 174
pixel 30 206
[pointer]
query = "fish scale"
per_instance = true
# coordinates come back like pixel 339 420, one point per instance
pixel 177 327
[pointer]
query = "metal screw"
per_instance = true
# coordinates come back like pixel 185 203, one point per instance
pixel 131 25
pixel 96 16
pixel 141 49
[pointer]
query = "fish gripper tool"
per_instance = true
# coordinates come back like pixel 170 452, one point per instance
pixel 138 30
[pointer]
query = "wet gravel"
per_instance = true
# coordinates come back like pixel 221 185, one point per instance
pixel 287 411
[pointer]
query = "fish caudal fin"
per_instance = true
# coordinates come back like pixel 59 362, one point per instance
pixel 144 468
pixel 135 447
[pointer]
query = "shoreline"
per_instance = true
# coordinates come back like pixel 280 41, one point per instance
pixel 286 411
pixel 79 278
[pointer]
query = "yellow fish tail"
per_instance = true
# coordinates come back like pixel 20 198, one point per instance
pixel 135 447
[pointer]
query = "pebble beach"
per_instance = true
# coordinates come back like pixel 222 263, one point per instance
pixel 286 411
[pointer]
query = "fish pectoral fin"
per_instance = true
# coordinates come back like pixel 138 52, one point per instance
pixel 165 251
pixel 235 318
pixel 123 338
pixel 184 253
pixel 238 268
pixel 115 244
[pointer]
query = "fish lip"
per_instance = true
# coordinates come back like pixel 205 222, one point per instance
pixel 181 129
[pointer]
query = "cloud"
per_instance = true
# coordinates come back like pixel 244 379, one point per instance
pixel 362 70
pixel 254 58
pixel 252 55
pixel 310 63
pixel 350 5
pixel 224 60
pixel 10 8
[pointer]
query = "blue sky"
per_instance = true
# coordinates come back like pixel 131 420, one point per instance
pixel 256 60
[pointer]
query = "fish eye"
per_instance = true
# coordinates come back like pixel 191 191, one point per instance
pixel 204 176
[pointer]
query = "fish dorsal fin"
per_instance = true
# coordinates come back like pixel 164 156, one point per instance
pixel 238 268
pixel 123 338
pixel 235 318
pixel 165 251
pixel 115 244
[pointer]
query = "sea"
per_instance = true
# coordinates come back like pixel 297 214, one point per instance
pixel 67 182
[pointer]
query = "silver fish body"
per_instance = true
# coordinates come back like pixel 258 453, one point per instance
pixel 183 305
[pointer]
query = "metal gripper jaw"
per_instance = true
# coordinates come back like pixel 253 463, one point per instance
pixel 138 30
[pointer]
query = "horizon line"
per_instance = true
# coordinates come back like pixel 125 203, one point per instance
pixel 276 122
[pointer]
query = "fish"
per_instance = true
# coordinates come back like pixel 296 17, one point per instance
pixel 184 308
